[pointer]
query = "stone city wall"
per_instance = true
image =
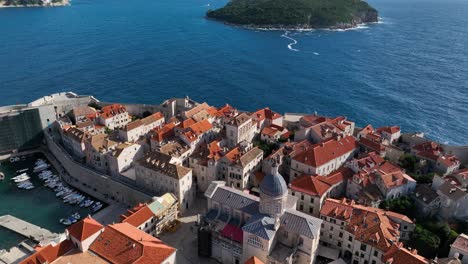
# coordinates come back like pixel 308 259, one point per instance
pixel 92 182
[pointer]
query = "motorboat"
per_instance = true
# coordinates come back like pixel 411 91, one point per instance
pixel 65 221
pixel 41 167
pixel 19 176
pixel 96 207
pixel 23 170
pixel 22 178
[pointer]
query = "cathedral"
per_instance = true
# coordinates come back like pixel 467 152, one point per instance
pixel 238 226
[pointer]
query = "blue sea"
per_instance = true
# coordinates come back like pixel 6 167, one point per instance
pixel 411 69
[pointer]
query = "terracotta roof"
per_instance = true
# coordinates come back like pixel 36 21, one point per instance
pixel 226 111
pixel 326 127
pixel 239 119
pixel 132 125
pixel 254 260
pixel 76 134
pixel 266 113
pixel 101 142
pixel 461 242
pixel 366 130
pixel 138 215
pixel 112 110
pixel 389 129
pixel 372 144
pixel 449 161
pixel 395 179
pixel 322 153
pixel 311 185
pixel 49 253
pixel 397 254
pixel 164 133
pixel 83 111
pixel 369 225
pixel 430 150
pixel 124 243
pixel 152 118
pixel 201 127
pixel 85 228
pixel 186 123
pixel 273 130
pixel 196 109
pixel 161 162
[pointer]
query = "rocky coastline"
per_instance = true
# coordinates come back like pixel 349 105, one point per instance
pixel 57 4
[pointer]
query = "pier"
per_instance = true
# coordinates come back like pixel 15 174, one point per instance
pixel 28 230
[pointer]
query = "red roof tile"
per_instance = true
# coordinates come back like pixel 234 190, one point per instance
pixel 138 216
pixel 254 260
pixel 322 153
pixel 124 243
pixel 398 254
pixel 49 253
pixel 85 228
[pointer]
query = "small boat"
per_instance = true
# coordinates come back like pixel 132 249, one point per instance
pixel 41 167
pixel 65 221
pixel 39 161
pixel 23 170
pixel 88 203
pixel 19 176
pixel 22 178
pixel 96 207
pixel 76 215
pixel 26 185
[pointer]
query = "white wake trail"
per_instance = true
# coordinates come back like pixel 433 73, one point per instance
pixel 285 35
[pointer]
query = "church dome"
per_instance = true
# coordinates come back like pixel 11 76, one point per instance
pixel 273 184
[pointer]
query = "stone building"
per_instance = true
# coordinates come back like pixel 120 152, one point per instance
pixel 240 128
pixel 158 174
pixel 269 227
pixel 113 116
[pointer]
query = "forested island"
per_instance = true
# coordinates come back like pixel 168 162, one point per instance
pixel 296 14
pixel 32 3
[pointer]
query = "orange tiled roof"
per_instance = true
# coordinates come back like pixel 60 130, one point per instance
pixel 266 113
pixel 369 225
pixel 254 260
pixel 49 253
pixel 161 134
pixel 398 254
pixel 310 184
pixel 112 110
pixel 322 153
pixel 124 243
pixel 85 228
pixel 138 216
pixel 186 123
pixel 389 129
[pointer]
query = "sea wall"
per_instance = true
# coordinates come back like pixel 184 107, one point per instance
pixel 98 185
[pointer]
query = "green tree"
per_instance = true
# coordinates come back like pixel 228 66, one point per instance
pixel 408 162
pixel 426 242
pixel 403 205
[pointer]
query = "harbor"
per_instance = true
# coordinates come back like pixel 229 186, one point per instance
pixel 32 192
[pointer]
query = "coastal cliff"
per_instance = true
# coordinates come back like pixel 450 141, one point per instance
pixel 295 14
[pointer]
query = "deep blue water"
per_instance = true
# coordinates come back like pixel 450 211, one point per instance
pixel 410 70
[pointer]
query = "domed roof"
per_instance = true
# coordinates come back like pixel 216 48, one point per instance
pixel 273 184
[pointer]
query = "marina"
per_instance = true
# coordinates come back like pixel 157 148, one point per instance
pixel 33 192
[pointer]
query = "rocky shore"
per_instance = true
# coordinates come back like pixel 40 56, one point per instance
pixel 48 4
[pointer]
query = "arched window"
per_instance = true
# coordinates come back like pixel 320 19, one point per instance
pixel 255 241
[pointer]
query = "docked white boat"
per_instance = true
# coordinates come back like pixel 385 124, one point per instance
pixel 19 176
pixel 23 170
pixel 22 178
pixel 41 167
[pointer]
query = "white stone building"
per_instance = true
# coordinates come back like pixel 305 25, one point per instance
pixel 158 174
pixel 358 233
pixel 113 116
pixel 74 142
pixel 459 248
pixel 240 128
pixel 123 156
pixel 98 147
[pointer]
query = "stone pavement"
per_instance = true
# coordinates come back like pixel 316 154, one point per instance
pixel 185 238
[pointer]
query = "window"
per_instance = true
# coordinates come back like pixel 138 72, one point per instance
pixel 311 199
pixel 311 210
pixel 350 238
pixel 339 244
pixel 363 247
pixel 331 228
pixel 376 253
pixel 301 207
pixel 341 234
pixel 373 262
pixel 302 197
pixel 255 241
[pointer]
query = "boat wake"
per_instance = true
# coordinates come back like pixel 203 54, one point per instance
pixel 285 35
